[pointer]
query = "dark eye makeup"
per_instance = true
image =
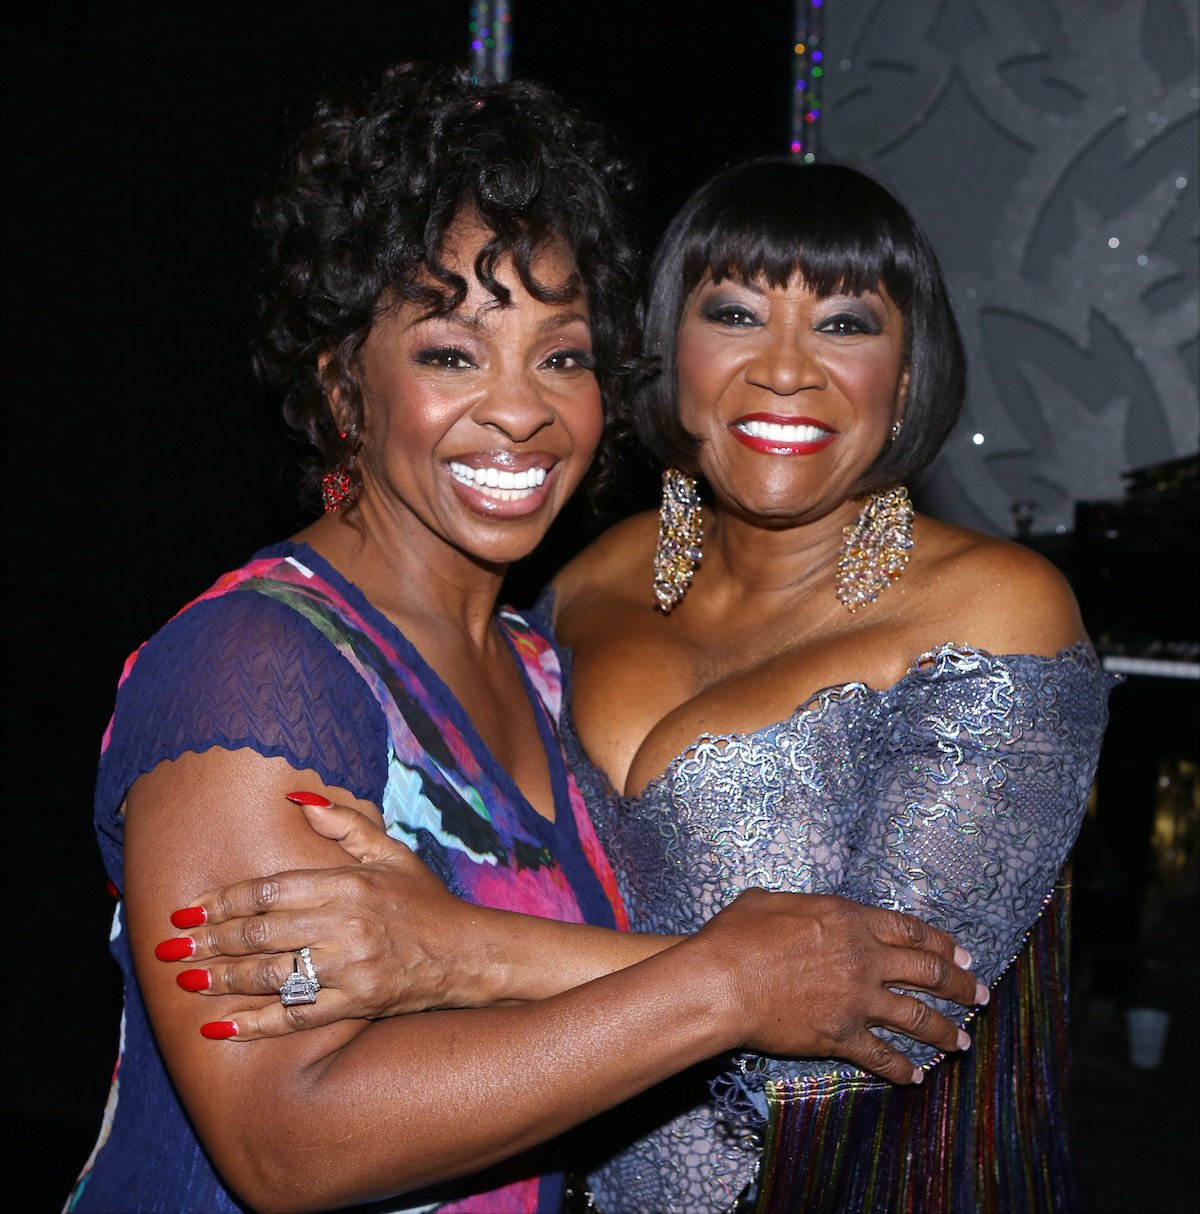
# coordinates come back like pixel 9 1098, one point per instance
pixel 732 315
pixel 848 322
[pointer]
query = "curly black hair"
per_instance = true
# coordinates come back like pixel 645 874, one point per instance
pixel 359 220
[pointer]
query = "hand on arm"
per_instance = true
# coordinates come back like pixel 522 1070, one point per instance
pixel 386 938
pixel 421 1098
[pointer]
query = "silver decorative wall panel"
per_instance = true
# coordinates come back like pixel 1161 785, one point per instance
pixel 1049 147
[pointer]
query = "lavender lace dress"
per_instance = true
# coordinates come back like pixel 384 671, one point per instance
pixel 955 794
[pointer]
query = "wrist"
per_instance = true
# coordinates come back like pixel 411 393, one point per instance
pixel 483 971
pixel 716 970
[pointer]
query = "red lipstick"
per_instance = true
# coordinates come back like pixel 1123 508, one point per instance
pixel 772 434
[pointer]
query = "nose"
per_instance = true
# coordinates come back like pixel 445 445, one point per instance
pixel 515 407
pixel 785 365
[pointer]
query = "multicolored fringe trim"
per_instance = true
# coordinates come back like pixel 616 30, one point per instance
pixel 987 1131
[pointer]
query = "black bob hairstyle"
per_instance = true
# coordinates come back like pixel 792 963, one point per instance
pixel 840 231
pixel 358 224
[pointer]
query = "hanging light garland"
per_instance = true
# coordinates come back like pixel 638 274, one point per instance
pixel 808 69
pixel 490 34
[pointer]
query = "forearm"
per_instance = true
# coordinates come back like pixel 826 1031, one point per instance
pixel 522 957
pixel 427 1097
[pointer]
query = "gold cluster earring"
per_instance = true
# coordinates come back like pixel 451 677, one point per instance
pixel 876 549
pixel 680 539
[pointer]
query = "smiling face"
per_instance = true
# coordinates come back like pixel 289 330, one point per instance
pixel 792 395
pixel 478 425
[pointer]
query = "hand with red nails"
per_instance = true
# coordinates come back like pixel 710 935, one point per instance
pixel 386 938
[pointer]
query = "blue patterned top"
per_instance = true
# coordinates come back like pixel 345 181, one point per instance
pixel 287 658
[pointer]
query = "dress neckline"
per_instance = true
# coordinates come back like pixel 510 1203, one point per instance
pixel 932 664
pixel 448 703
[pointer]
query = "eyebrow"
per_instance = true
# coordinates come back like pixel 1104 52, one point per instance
pixel 474 322
pixel 560 320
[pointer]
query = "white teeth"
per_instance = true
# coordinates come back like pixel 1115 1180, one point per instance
pixel 498 483
pixel 776 433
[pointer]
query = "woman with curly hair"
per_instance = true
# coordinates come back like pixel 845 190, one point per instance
pixel 448 314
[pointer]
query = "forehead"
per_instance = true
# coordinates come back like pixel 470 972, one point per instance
pixel 551 263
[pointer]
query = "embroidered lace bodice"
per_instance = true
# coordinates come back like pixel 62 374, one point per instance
pixel 955 794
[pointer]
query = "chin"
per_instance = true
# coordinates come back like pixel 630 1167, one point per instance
pixel 514 543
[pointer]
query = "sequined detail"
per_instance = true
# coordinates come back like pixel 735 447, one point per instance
pixel 955 794
pixel 680 544
pixel 877 547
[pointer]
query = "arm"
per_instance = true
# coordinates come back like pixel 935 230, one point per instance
pixel 980 794
pixel 388 938
pixel 471 1087
pixel 980 777
pixel 386 935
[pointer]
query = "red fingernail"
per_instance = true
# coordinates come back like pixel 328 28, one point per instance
pixel 309 798
pixel 219 1030
pixel 179 949
pixel 112 889
pixel 190 916
pixel 194 980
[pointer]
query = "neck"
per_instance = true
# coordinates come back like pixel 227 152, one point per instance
pixel 749 559
pixel 422 584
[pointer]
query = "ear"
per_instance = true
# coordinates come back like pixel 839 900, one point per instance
pixel 334 394
pixel 902 393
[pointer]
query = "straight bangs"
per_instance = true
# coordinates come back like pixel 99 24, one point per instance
pixel 837 231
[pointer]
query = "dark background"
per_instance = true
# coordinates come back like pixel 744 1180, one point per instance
pixel 144 460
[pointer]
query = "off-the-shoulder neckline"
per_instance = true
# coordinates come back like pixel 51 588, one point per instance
pixel 927 666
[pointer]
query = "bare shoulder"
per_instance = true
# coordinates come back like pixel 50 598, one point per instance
pixel 998 595
pixel 614 565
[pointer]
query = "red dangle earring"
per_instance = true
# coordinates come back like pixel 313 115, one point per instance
pixel 337 487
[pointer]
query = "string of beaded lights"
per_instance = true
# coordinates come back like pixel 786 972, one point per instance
pixel 808 67
pixel 490 32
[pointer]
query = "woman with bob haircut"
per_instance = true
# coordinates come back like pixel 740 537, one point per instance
pixel 838 696
pixel 835 696
pixel 447 310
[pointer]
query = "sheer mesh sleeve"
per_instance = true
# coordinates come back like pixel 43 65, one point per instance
pixel 975 774
pixel 981 778
pixel 240 671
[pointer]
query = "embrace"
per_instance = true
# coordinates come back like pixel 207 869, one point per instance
pixel 698 882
